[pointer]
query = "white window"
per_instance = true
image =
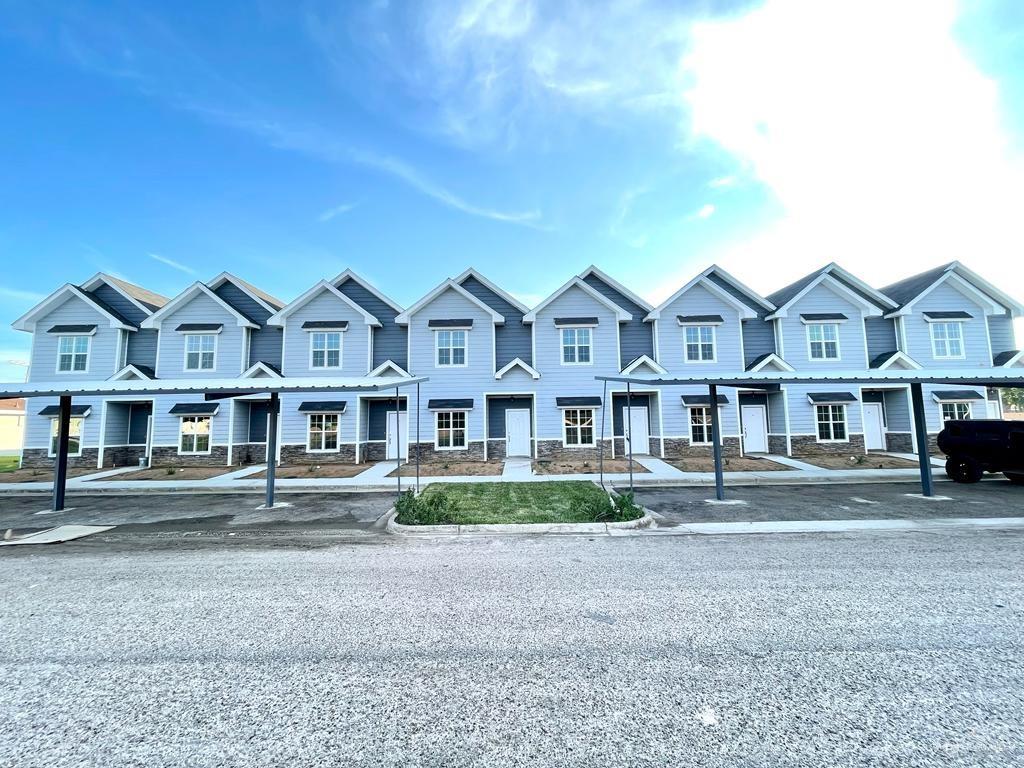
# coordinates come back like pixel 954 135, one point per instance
pixel 325 349
pixel 576 346
pixel 195 434
pixel 73 354
pixel 74 437
pixel 947 340
pixel 831 423
pixel 823 341
pixel 951 411
pixel 578 426
pixel 451 348
pixel 700 426
pixel 200 352
pixel 451 430
pixel 323 432
pixel 700 343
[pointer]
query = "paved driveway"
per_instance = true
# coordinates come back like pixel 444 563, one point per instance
pixel 834 501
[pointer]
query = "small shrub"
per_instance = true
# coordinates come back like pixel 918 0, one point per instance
pixel 625 508
pixel 170 470
pixel 859 459
pixel 429 509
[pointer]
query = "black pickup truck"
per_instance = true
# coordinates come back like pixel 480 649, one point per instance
pixel 976 446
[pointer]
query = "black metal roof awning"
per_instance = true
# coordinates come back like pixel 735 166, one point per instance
pixel 687 319
pixel 76 410
pixel 578 402
pixel 450 404
pixel 340 325
pixel 323 406
pixel 73 329
pixel 951 315
pixel 704 400
pixel 194 409
pixel 559 321
pixel 452 323
pixel 957 394
pixel 817 317
pixel 200 327
pixel 831 397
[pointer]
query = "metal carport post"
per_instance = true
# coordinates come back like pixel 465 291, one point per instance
pixel 60 469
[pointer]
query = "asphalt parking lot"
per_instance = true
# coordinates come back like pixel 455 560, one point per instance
pixel 993 497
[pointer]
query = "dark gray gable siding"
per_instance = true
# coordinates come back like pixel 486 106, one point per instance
pixel 1000 328
pixel 881 335
pixel 637 337
pixel 390 340
pixel 141 343
pixel 496 407
pixel 758 338
pixel 859 292
pixel 512 339
pixel 735 292
pixel 142 347
pixel 265 343
pixel 119 304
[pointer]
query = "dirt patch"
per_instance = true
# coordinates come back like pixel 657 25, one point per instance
pixel 313 471
pixel 729 464
pixel 557 467
pixel 171 473
pixel 451 469
pixel 41 475
pixel 859 461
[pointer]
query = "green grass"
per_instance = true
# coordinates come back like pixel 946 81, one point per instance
pixel 482 503
pixel 8 463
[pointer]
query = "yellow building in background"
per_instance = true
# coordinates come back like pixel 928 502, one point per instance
pixel 12 427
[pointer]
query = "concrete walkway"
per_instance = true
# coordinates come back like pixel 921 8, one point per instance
pixel 834 526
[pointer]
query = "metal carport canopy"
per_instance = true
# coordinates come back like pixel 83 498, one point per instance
pixel 979 377
pixel 210 389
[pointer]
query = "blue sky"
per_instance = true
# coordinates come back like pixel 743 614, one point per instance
pixel 287 141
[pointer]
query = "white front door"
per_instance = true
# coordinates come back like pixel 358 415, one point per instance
pixel 636 417
pixel 398 435
pixel 992 410
pixel 874 429
pixel 517 432
pixel 755 428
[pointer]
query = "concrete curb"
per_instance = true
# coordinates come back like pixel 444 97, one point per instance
pixel 647 521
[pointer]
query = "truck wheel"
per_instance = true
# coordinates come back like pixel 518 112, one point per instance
pixel 1017 478
pixel 963 470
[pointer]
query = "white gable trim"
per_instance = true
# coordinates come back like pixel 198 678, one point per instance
pixel 381 370
pixel 745 312
pixel 988 305
pixel 130 371
pixel 592 270
pixel 240 284
pixel 773 360
pixel 101 277
pixel 900 357
pixel 1015 307
pixel 825 278
pixel 740 286
pixel 260 367
pixel 621 315
pixel 1017 359
pixel 278 318
pixel 348 274
pixel 449 284
pixel 518 363
pixel 881 298
pixel 27 322
pixel 644 360
pixel 183 298
pixel 500 292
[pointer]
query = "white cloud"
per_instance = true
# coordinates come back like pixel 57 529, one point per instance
pixel 880 138
pixel 336 211
pixel 172 263
pixel 706 211
pixel 619 228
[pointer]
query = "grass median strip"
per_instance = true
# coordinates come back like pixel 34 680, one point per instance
pixel 512 503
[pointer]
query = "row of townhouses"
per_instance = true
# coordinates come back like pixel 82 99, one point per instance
pixel 506 379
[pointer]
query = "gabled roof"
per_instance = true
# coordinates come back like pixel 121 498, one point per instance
pixel 133 371
pixel 894 358
pixel 1009 358
pixel 268 302
pixel 592 270
pixel 262 369
pixel 909 291
pixel 146 300
pixel 761 362
pixel 389 365
pixel 348 274
pixel 499 291
pixel 279 317
pixel 449 284
pixel 517 363
pixel 783 297
pixel 154 320
pixel 703 279
pixel 27 321
pixel 644 360
pixel 839 280
pixel 621 315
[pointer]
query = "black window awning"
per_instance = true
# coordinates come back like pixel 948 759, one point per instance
pixel 957 394
pixel 578 402
pixel 819 317
pixel 79 411
pixel 697 319
pixel 452 323
pixel 200 328
pixel 575 321
pixel 950 315
pixel 704 400
pixel 313 325
pixel 323 406
pixel 194 409
pixel 831 397
pixel 450 404
pixel 73 329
